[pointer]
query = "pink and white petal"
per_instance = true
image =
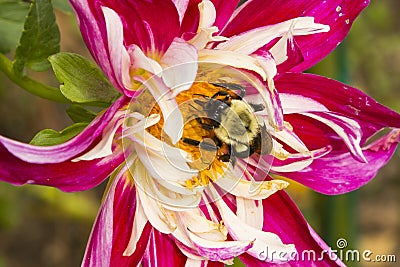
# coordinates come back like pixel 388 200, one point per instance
pixel 67 150
pixel 219 250
pixel 282 216
pixel 292 103
pixel 230 58
pixel 119 57
pixel 181 6
pixel 224 9
pixel 139 224
pixel 180 66
pixel 140 61
pixel 340 98
pixel 95 36
pixel 339 172
pixel 295 161
pixel 337 14
pixel 142 23
pixel 162 251
pixel 347 129
pixel 246 187
pixel 250 41
pixel 112 229
pixel 67 176
pixel 238 230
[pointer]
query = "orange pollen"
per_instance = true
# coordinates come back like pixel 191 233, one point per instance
pixel 207 162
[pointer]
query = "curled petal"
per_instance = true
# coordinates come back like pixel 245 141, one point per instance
pixel 219 250
pixel 322 93
pixel 247 188
pixel 252 40
pixel 348 129
pixel 337 14
pixel 67 150
pixel 339 172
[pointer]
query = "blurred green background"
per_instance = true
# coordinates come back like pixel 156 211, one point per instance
pixel 45 227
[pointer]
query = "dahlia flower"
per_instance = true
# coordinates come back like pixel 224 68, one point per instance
pixel 213 107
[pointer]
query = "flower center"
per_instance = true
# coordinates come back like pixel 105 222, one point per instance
pixel 209 154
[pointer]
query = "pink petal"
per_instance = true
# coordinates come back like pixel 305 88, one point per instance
pixel 152 25
pixel 111 232
pixel 67 150
pixel 339 172
pixel 67 176
pixel 338 14
pixel 162 251
pixel 224 9
pixel 339 98
pixel 281 216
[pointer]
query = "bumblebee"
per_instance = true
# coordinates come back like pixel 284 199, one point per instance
pixel 233 123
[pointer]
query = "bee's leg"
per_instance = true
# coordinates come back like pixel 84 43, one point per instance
pixel 257 107
pixel 220 93
pixel 205 126
pixel 190 141
pixel 225 158
pixel 233 87
pixel 208 146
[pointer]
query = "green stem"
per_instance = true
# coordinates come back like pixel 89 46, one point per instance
pixel 30 85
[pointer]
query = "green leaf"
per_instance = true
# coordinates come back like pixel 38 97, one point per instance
pixel 49 137
pixel 79 114
pixel 63 5
pixel 39 40
pixel 12 17
pixel 81 80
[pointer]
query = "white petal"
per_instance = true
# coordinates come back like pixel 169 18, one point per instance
pixel 141 61
pixel 153 210
pixel 250 41
pixel 241 231
pixel 233 59
pixel 163 161
pixel 173 120
pixel 138 225
pixel 250 212
pixel 291 139
pixel 195 263
pixel 104 147
pixel 170 199
pixel 197 223
pixel 208 14
pixel 297 104
pixel 180 66
pixel 119 57
pixel 249 189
